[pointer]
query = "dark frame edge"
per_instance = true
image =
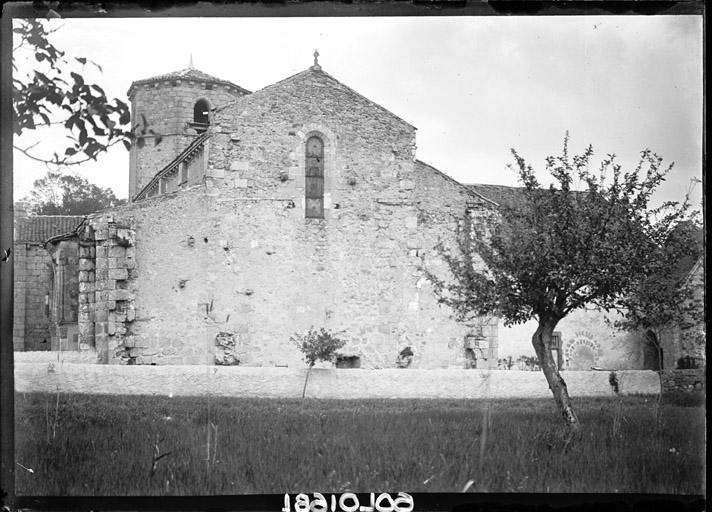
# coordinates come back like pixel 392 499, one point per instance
pixel 7 386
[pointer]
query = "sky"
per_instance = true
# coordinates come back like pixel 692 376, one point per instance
pixel 473 86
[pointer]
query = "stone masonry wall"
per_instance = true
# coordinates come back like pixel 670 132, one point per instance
pixel 168 108
pixel 692 337
pixel 107 268
pixel 684 380
pixel 442 203
pixel 33 279
pixel 235 258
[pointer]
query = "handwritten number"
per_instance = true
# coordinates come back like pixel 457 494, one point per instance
pixel 319 504
pixel 301 503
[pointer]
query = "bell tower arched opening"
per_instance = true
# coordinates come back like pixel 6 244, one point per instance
pixel 201 115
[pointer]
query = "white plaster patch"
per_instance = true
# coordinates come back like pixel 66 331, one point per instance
pixel 254 244
pixel 240 165
pixel 327 200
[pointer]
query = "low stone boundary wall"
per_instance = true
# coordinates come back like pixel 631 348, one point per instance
pixel 323 383
pixel 57 357
pixel 684 380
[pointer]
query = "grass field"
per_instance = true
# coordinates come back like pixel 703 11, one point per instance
pixel 128 445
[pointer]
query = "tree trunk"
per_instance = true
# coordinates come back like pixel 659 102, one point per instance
pixel 304 389
pixel 542 345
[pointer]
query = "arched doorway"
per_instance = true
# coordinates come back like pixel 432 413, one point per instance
pixel 652 352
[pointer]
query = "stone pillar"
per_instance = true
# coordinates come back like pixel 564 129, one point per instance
pixel 114 310
pixel 87 298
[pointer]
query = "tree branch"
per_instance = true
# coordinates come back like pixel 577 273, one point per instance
pixel 62 162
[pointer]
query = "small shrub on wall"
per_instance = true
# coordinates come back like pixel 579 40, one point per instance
pixel 316 346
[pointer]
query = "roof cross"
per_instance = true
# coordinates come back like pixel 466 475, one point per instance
pixel 316 57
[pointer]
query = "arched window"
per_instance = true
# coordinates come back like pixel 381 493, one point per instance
pixel 314 179
pixel 201 115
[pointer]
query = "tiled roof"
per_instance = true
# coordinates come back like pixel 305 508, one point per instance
pixel 39 228
pixel 319 73
pixel 420 166
pixel 187 74
pixel 500 194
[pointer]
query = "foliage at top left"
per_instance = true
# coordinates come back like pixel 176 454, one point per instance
pixel 55 92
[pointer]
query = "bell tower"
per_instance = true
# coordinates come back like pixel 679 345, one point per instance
pixel 177 106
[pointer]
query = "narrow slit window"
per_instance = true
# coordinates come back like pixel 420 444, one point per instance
pixel 314 179
pixel 184 173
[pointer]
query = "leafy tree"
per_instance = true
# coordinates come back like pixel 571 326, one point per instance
pixel 66 194
pixel 559 249
pixel 664 297
pixel 317 346
pixel 55 92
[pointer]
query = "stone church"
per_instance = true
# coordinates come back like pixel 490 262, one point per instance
pixel 260 215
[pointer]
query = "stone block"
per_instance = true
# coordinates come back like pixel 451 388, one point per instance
pixel 407 184
pixel 119 274
pixel 101 233
pixel 117 263
pixel 117 251
pixel 241 183
pixel 86 264
pixel 239 165
pixel 411 222
pixel 86 329
pixel 121 295
pixel 86 287
pixel 86 276
pixel 216 173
